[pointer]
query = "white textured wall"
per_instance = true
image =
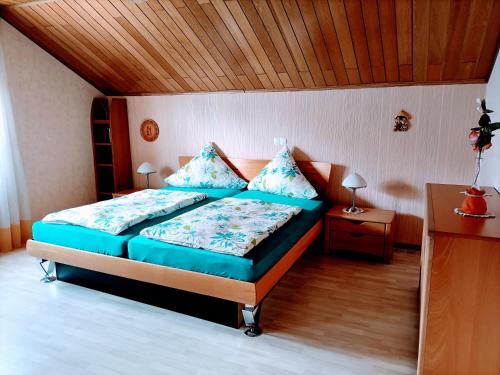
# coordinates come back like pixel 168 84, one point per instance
pixel 490 174
pixel 350 128
pixel 51 111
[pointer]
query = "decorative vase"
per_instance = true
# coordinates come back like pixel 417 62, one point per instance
pixel 474 202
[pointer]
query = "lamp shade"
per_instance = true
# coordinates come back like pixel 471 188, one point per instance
pixel 146 168
pixel 354 181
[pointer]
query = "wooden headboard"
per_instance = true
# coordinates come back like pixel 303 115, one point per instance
pixel 317 173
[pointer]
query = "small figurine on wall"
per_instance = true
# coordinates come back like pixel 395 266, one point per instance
pixel 402 121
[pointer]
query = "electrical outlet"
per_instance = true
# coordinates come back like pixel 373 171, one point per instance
pixel 280 141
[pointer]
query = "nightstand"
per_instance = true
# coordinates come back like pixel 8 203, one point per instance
pixel 121 193
pixel 368 232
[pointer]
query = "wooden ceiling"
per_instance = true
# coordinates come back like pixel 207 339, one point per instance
pixel 173 46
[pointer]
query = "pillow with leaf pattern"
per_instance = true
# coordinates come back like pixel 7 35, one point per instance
pixel 206 170
pixel 282 176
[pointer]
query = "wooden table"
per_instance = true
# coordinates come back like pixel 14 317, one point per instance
pixel 368 232
pixel 460 287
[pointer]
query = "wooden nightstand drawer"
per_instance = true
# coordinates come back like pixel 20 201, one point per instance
pixel 361 242
pixel 366 227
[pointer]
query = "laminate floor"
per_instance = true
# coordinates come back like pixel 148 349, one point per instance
pixel 327 316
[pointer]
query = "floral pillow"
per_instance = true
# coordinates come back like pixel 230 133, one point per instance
pixel 206 170
pixel 282 176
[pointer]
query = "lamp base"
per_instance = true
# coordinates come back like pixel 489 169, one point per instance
pixel 353 210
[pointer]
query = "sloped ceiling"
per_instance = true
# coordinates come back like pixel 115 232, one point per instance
pixel 174 46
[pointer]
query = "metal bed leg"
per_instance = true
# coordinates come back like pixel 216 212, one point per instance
pixel 251 316
pixel 48 278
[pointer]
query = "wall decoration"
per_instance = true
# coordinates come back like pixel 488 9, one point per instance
pixel 150 130
pixel 402 121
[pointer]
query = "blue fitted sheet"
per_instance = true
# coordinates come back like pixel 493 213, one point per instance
pixel 96 241
pixel 247 268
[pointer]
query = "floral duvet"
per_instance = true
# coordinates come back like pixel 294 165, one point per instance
pixel 230 225
pixel 115 215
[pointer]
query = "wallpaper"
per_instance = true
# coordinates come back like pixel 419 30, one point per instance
pixel 490 174
pixel 51 107
pixel 352 129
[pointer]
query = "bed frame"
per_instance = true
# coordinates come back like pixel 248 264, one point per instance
pixel 249 294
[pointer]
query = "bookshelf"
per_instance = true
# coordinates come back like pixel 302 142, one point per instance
pixel 111 146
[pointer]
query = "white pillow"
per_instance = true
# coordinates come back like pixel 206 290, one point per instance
pixel 206 170
pixel 282 176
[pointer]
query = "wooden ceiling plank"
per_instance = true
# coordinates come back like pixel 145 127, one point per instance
pixel 316 39
pixel 194 14
pixel 78 48
pixel 54 38
pixel 162 60
pixel 121 64
pixel 246 82
pixel 248 33
pixel 125 75
pixel 177 22
pixel 374 39
pixel 260 30
pixel 164 37
pixel 387 15
pixel 107 40
pixel 331 39
pixel 138 26
pixel 221 29
pixel 307 78
pixel 456 33
pixel 490 45
pixel 128 33
pixel 358 35
pixel 421 20
pixel 199 56
pixel 229 71
pixel 26 26
pixel 232 26
pixel 166 40
pixel 404 29
pixel 279 42
pixel 287 31
pixel 115 30
pixel 285 78
pixel 475 34
pixel 295 17
pixel 265 81
pixel 439 18
pixel 339 17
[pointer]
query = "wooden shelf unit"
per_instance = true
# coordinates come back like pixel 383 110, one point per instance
pixel 111 146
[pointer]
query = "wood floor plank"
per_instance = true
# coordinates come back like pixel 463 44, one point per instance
pixel 327 316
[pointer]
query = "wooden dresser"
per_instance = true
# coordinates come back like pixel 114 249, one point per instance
pixel 460 287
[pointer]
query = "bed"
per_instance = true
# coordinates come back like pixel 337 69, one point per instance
pixel 81 238
pixel 244 281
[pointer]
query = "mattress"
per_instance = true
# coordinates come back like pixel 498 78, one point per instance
pixel 96 241
pixel 247 268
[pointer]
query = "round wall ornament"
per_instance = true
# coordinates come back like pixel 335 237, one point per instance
pixel 149 130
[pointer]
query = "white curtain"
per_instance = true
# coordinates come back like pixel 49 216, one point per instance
pixel 15 218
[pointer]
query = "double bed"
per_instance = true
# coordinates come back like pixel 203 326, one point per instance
pixel 245 280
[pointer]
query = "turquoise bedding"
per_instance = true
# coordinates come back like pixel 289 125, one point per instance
pixel 96 241
pixel 247 268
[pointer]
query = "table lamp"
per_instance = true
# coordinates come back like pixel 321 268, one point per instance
pixel 146 168
pixel 353 181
